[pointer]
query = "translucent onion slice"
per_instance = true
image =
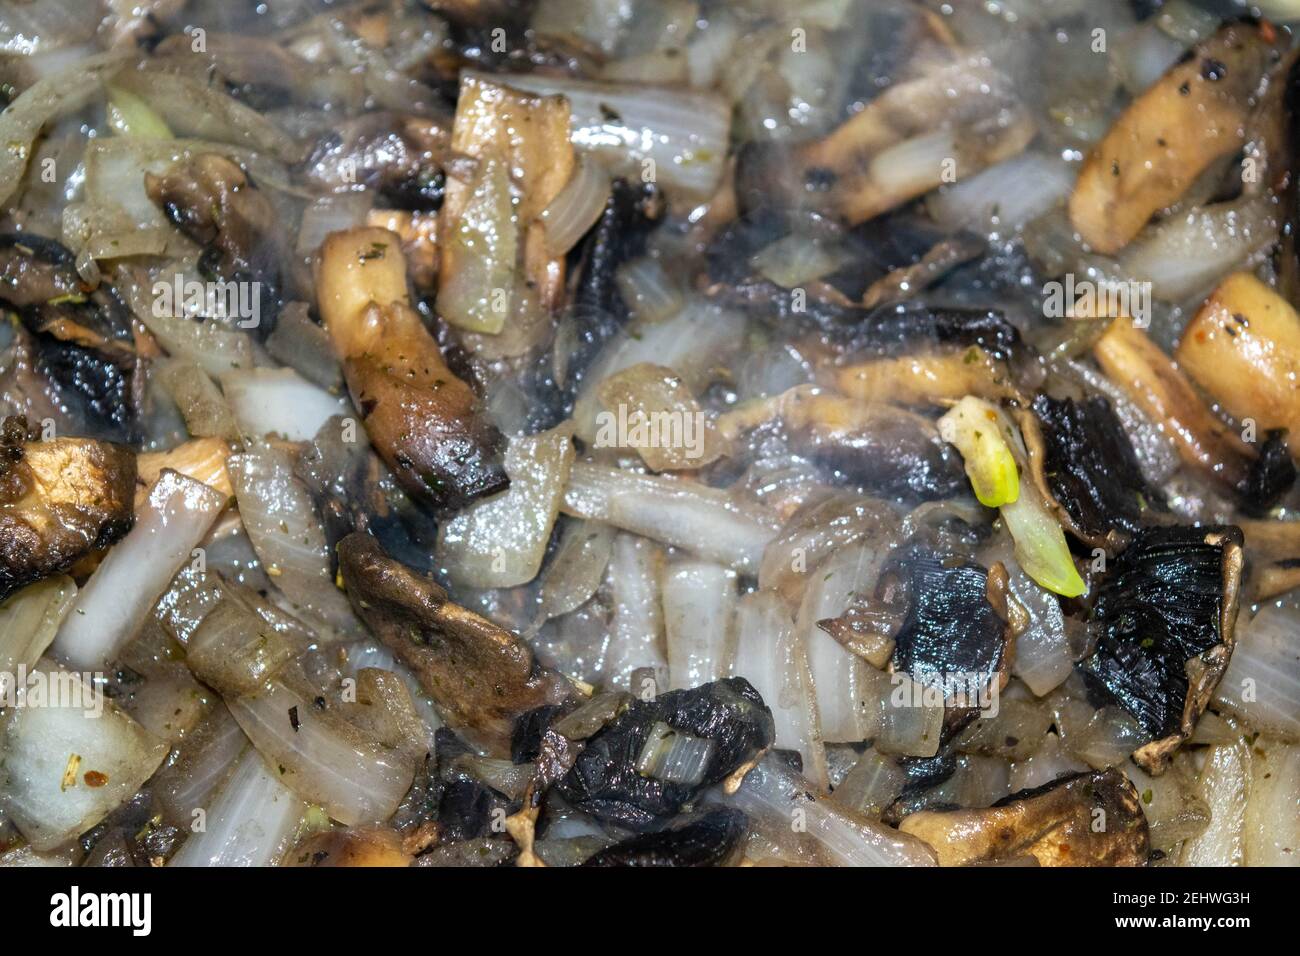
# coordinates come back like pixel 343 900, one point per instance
pixel 674 757
pixel 122 590
pixel 699 601
pixel 71 760
pixel 705 521
pixel 251 822
pixel 279 401
pixel 287 534
pixel 1262 684
pixel 500 542
pixel 772 656
pixel 577 207
pixel 28 622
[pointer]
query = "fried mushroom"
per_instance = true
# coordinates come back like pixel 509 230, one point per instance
pixel 423 420
pixel 1089 819
pixel 480 676
pixel 59 501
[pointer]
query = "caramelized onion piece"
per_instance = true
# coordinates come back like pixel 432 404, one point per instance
pixel 59 501
pixel 1056 824
pixel 422 419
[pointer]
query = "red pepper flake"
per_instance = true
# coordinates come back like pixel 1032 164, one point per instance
pixel 94 778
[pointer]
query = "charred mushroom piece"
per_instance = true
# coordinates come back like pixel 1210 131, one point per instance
pixel 953 636
pixel 890 450
pixel 83 336
pixel 399 156
pixel 481 676
pixel 59 501
pixel 1056 824
pixel 1153 153
pixel 1084 463
pixel 211 200
pixel 728 715
pixel 710 840
pixel 423 420
pixel 1165 618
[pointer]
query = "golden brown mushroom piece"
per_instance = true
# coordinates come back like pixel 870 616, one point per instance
pixel 481 676
pixel 1090 819
pixel 423 420
pixel 59 501
pixel 358 846
pixel 1243 348
pixel 1195 114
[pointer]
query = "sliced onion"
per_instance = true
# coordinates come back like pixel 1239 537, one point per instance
pixel 699 601
pixel 1043 657
pixel 304 346
pixel 577 207
pixel 192 107
pixel 46 100
pixel 709 52
pixel 1262 683
pixel 28 622
pixel 201 403
pixel 673 756
pixel 796 260
pixel 202 762
pixel 577 569
pixel 128 115
pixel 71 761
pixel 703 520
pixel 500 542
pixel 484 243
pixel 387 712
pixel 1272 825
pixel 1174 811
pixel 123 589
pixel 1224 785
pixel 279 401
pixel 649 292
pixel 830 835
pixel 1184 256
pixel 636 633
pixel 250 823
pixel 650 410
pixel 169 702
pixel 691 343
pixel 333 213
pixel 772 656
pixel 1003 197
pixel 873 783
pixel 911 718
pixel 235 651
pixel 849 694
pixel 287 534
pixel 320 755
pixel 1108 739
pixel 1047 764
pixel 683 132
pixel 601 23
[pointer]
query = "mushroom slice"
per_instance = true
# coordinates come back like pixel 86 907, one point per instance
pixel 710 840
pixel 1089 819
pixel 59 501
pixel 956 120
pixel 422 419
pixel 1166 617
pixel 1195 114
pixel 1086 469
pixel 1159 388
pixel 212 201
pixel 891 450
pixel 481 676
pixel 1243 348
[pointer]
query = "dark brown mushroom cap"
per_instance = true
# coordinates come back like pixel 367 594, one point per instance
pixel 481 676
pixel 59 501
pixel 1089 819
